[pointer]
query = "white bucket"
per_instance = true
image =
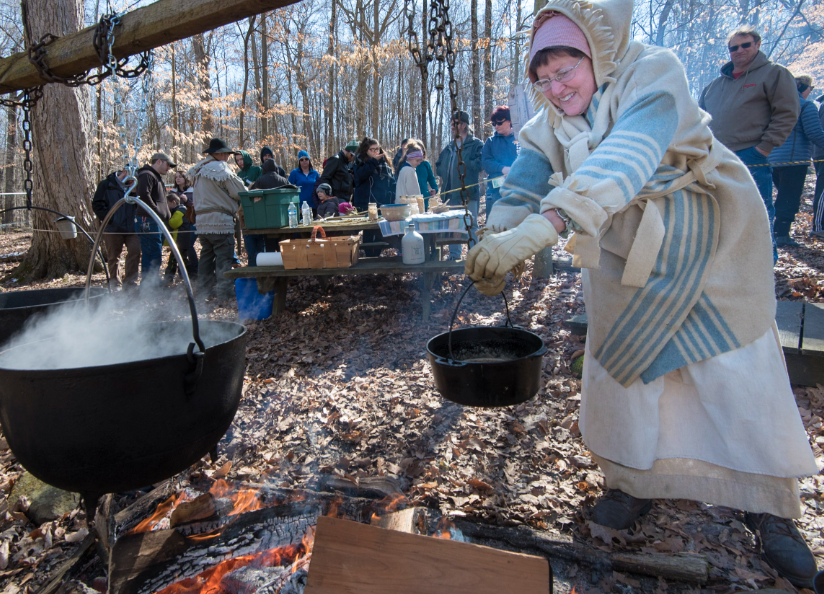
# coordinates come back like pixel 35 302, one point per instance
pixel 67 228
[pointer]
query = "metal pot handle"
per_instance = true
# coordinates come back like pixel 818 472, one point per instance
pixel 195 358
pixel 455 313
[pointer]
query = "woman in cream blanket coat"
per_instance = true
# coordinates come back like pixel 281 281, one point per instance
pixel 684 394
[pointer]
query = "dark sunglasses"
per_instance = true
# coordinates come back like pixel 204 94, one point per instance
pixel 734 48
pixel 498 122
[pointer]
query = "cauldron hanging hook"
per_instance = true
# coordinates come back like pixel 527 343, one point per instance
pixel 195 358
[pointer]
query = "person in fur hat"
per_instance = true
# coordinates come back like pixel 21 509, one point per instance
pixel 216 201
pixel 684 390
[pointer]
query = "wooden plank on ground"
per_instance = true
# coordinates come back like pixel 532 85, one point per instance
pixel 788 317
pixel 812 342
pixel 350 558
pixel 148 27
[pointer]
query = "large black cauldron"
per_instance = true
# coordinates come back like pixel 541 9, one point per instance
pixel 118 427
pixel 18 306
pixel 486 367
pixel 96 430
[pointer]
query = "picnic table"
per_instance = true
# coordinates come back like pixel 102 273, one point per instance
pixel 276 277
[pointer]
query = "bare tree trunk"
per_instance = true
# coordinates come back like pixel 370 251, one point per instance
pixel 489 82
pixel 247 37
pixel 264 58
pixel 424 81
pixel 175 118
pixel 360 93
pixel 258 93
pixel 202 60
pixel 374 115
pixel 475 60
pixel 516 59
pixel 8 170
pixel 62 118
pixel 330 104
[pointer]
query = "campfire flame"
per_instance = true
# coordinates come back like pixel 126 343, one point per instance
pixel 443 530
pixel 243 500
pixel 209 582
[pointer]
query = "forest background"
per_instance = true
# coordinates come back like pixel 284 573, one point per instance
pixel 316 74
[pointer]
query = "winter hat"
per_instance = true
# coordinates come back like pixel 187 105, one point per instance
pixel 414 155
pixel 325 188
pixel 303 155
pixel 552 29
pixel 269 166
pixel 345 208
pixel 266 151
pixel 352 146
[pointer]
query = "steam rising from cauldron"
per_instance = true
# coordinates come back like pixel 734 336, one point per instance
pixel 104 332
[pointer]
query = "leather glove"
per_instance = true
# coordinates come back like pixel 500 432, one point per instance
pixel 498 253
pixel 490 288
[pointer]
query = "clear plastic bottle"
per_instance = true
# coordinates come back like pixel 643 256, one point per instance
pixel 306 213
pixel 293 215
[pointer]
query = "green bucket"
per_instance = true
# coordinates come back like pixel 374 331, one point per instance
pixel 268 209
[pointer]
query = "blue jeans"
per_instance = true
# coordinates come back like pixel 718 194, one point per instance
pixel 151 249
pixel 762 175
pixel 492 196
pixel 456 249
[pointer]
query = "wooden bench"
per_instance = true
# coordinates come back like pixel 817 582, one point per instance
pixel 800 331
pixel 276 277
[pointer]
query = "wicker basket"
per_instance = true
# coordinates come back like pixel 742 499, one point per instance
pixel 396 212
pixel 332 252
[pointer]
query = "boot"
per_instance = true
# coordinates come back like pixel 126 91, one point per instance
pixel 783 547
pixel 619 510
pixel 786 241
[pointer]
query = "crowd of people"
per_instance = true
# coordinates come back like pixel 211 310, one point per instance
pixel 202 204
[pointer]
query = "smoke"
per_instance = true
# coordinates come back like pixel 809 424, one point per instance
pixel 108 330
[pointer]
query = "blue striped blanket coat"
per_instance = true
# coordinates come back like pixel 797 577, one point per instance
pixel 669 224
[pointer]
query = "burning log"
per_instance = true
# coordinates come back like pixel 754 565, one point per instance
pixel 148 562
pixel 414 520
pixel 680 567
pixel 200 508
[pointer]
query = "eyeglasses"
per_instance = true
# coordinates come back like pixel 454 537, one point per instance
pixel 499 122
pixel 564 75
pixel 303 159
pixel 734 48
pixel 373 148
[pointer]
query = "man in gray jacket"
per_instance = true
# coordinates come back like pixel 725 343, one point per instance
pixel 754 106
pixel 216 202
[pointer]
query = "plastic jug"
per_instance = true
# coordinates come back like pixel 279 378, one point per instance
pixel 412 246
pixel 293 215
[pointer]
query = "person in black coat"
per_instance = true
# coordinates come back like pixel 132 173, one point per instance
pixel 337 172
pixel 270 179
pixel 119 233
pixel 266 154
pixel 374 182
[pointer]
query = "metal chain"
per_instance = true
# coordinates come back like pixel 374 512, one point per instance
pixel 453 95
pixel 104 32
pixel 440 48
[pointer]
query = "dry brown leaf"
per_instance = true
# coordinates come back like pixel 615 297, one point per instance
pixel 223 471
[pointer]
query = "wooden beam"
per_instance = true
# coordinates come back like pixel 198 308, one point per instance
pixel 158 24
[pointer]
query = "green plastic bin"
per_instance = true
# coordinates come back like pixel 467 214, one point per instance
pixel 267 209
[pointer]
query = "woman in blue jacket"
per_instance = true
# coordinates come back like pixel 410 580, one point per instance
pixel 789 179
pixel 304 176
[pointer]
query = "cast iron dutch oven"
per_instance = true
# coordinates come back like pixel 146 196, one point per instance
pixel 486 366
pixel 112 428
pixel 18 306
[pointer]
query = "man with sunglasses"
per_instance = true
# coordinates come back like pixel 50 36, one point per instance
pixel 754 106
pixel 500 152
